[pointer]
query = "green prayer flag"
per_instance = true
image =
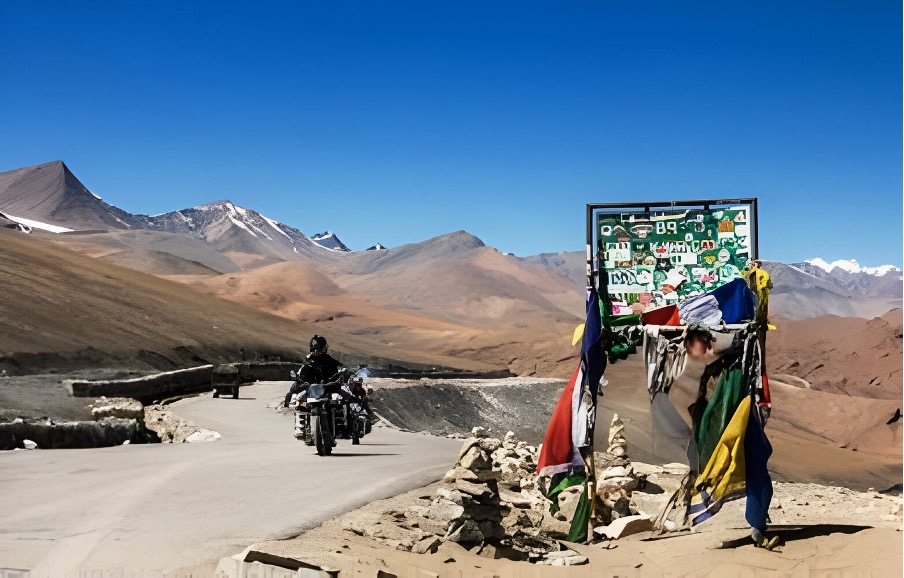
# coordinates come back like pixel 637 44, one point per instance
pixel 566 482
pixel 578 530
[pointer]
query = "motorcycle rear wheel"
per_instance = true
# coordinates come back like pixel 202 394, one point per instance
pixel 356 431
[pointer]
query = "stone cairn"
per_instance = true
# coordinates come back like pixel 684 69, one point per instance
pixel 489 502
pixel 493 504
pixel 614 473
pixel 617 481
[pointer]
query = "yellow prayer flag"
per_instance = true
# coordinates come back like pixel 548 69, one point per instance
pixel 578 334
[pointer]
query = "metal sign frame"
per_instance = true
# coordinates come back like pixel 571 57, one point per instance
pixel 677 215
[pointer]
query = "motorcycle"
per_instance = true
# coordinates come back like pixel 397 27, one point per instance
pixel 329 411
pixel 352 419
pixel 362 419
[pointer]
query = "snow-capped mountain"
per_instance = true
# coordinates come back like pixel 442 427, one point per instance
pixel 214 221
pixel 852 266
pixel 377 247
pixel 50 197
pixel 329 240
pixel 860 282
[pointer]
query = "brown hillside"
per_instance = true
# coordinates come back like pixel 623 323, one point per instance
pixel 449 300
pixel 146 250
pixel 159 263
pixel 60 309
pixel 849 355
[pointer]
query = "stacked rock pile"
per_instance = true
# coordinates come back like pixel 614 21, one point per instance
pixel 620 487
pixel 488 501
pixel 491 503
pixel 614 473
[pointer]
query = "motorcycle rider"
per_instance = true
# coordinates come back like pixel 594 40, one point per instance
pixel 353 392
pixel 318 367
pixel 356 386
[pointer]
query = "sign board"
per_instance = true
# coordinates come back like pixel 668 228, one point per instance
pixel 662 253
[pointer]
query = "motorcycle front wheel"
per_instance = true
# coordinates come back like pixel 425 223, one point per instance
pixel 329 440
pixel 318 435
pixel 322 438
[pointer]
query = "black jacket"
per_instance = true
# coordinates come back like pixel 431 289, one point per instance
pixel 318 368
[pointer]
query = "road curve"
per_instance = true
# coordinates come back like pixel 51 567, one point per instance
pixel 140 510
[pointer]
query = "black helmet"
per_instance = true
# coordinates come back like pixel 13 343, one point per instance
pixel 318 345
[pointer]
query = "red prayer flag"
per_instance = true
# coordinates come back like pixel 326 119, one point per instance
pixel 560 450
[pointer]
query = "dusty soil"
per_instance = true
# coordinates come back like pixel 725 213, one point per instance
pixel 820 529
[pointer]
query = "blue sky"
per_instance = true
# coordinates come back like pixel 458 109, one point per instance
pixel 399 121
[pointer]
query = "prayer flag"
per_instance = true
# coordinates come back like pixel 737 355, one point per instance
pixel 592 357
pixel 723 478
pixel 560 452
pixel 757 451
pixel 567 430
pixel 663 316
pixel 736 301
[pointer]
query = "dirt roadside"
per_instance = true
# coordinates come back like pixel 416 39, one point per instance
pixel 821 529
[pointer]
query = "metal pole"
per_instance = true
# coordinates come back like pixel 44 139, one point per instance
pixel 589 256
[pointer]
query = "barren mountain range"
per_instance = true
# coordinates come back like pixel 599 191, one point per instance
pixel 211 283
pixel 450 300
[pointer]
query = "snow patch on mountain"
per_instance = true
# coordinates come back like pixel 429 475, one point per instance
pixel 38 224
pixel 241 224
pixel 851 266
pixel 377 247
pixel 276 225
pixel 801 270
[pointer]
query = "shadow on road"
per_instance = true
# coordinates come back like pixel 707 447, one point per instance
pixel 335 455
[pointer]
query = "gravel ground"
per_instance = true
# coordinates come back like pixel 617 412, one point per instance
pixel 821 529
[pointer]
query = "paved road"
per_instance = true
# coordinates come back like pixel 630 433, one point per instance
pixel 136 510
